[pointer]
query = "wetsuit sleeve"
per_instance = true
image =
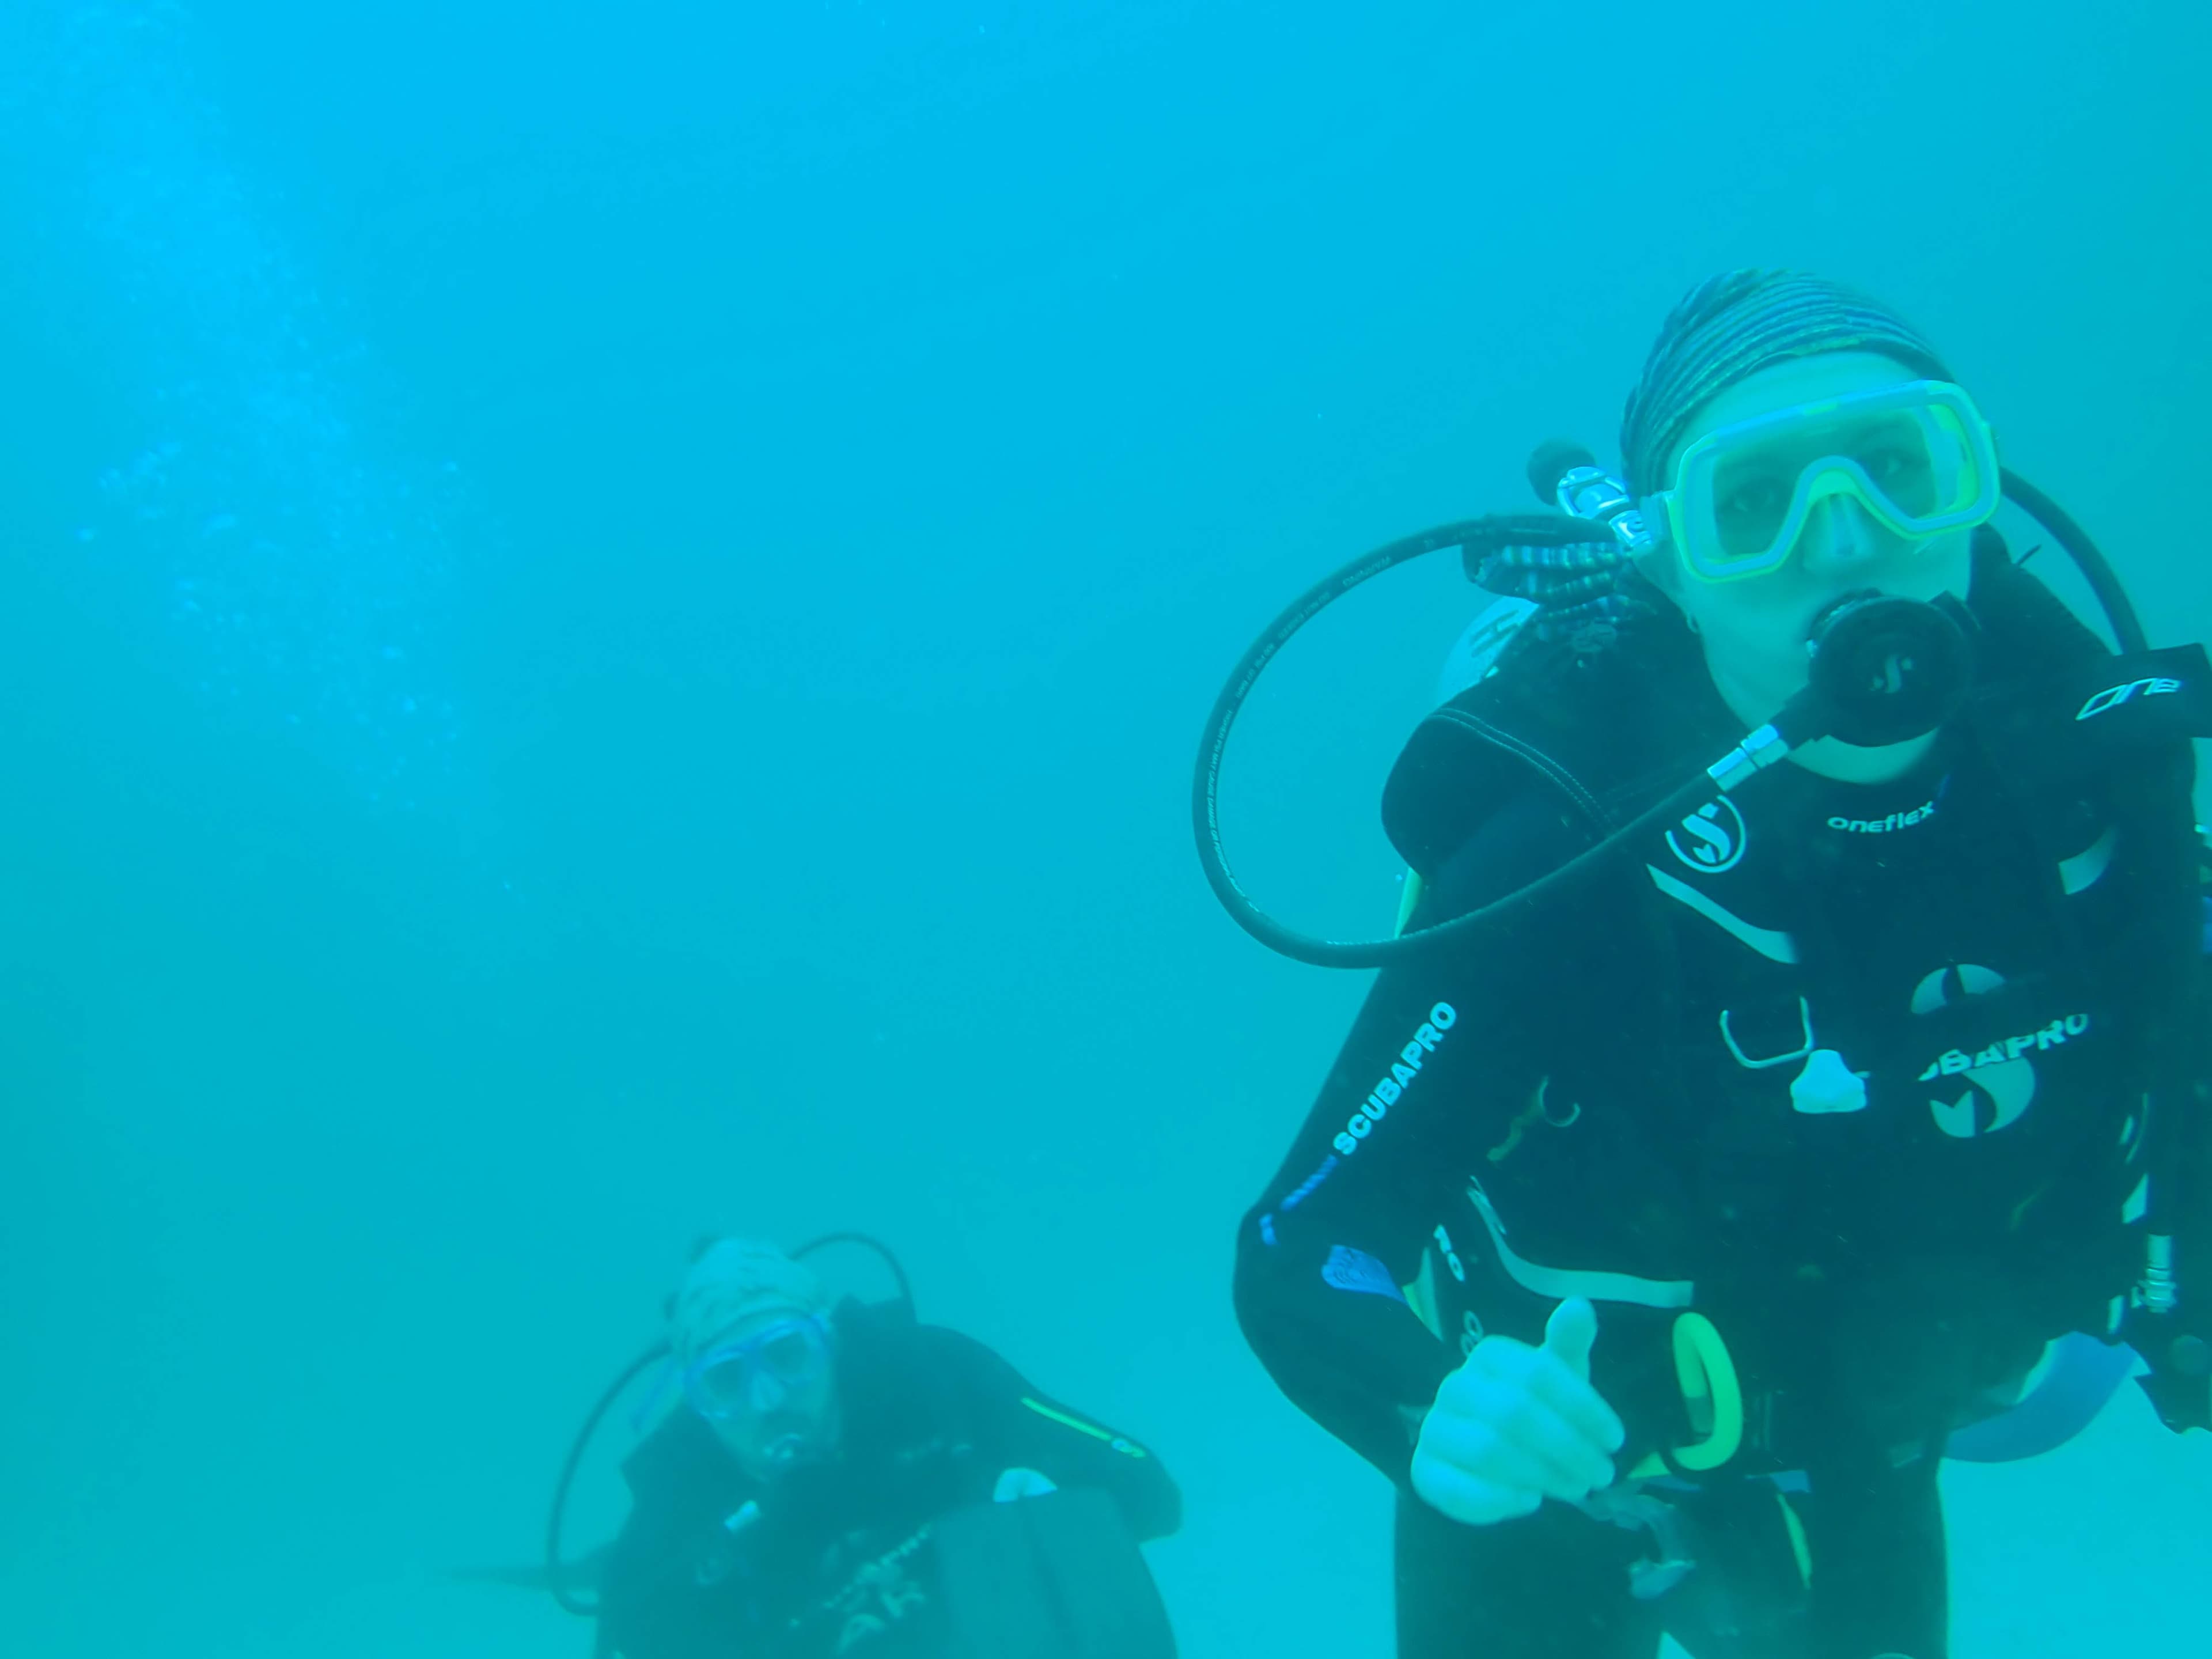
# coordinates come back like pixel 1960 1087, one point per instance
pixel 1443 1054
pixel 1018 1425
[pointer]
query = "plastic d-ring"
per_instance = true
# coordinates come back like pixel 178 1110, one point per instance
pixel 1711 1391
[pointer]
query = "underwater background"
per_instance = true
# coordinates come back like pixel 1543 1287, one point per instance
pixel 606 614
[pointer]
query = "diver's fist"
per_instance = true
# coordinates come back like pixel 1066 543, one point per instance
pixel 1515 1424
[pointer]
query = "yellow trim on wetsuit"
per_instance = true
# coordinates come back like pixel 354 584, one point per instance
pixel 1421 1295
pixel 1127 1446
pixel 1798 1547
pixel 1410 896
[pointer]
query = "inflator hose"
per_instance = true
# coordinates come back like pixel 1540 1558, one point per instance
pixel 1500 530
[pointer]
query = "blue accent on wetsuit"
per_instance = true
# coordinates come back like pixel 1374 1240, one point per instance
pixel 2085 1373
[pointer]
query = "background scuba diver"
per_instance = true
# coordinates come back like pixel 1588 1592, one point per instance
pixel 1834 1097
pixel 796 1506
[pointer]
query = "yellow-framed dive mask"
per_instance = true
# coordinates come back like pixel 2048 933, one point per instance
pixel 1918 457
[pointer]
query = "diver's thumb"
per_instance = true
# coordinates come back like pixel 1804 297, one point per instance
pixel 1570 1333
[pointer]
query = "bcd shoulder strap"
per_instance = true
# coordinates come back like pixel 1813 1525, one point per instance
pixel 1606 732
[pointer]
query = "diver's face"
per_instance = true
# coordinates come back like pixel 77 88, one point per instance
pixel 774 1396
pixel 1754 629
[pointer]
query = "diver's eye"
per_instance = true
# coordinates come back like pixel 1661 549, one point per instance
pixel 1755 498
pixel 789 1355
pixel 1888 465
pixel 1902 473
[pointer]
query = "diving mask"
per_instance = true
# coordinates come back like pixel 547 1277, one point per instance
pixel 1917 457
pixel 723 1382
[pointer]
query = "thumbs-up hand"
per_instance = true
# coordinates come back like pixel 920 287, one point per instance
pixel 1515 1424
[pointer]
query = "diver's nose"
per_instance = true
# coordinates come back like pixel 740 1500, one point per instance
pixel 1839 536
pixel 768 1391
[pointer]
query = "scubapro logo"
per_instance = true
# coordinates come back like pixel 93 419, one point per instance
pixel 1714 837
pixel 1390 1090
pixel 2001 1075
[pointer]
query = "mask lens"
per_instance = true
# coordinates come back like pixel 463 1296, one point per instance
pixel 1895 454
pixel 793 1355
pixel 722 1384
pixel 1751 490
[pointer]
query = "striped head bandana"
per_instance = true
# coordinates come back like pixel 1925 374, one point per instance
pixel 1729 327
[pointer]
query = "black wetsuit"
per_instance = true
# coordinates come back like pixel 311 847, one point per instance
pixel 836 1559
pixel 1855 1072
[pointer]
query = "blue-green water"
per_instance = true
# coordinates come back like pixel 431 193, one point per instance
pixel 607 611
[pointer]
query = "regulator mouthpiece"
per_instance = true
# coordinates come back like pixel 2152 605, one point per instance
pixel 1887 669
pixel 787 1451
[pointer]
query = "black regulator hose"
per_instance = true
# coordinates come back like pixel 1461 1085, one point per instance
pixel 1808 717
pixel 1475 535
pixel 2112 598
pixel 867 1242
pixel 557 1570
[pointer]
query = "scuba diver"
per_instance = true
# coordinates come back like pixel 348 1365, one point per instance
pixel 1737 1150
pixel 843 1479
